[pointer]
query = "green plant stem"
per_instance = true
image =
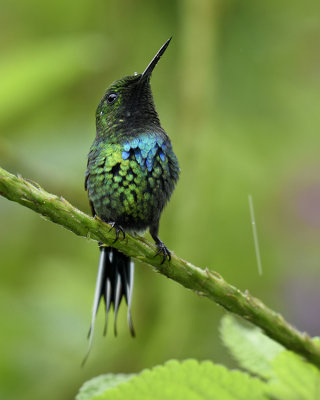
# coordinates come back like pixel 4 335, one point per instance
pixel 202 281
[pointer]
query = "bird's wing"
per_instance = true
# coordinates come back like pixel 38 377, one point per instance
pixel 103 167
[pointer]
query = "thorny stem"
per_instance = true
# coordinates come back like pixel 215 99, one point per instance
pixel 202 281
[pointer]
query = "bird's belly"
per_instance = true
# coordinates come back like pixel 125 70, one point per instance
pixel 134 204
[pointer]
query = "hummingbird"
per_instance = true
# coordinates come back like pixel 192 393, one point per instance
pixel 131 174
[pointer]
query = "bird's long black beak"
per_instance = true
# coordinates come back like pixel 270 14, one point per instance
pixel 148 71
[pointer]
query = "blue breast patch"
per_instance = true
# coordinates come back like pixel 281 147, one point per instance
pixel 145 150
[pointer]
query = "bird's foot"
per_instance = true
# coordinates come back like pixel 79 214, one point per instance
pixel 162 249
pixel 118 229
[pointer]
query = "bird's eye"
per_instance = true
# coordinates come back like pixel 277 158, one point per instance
pixel 111 98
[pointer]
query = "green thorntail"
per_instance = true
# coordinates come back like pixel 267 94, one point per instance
pixel 131 174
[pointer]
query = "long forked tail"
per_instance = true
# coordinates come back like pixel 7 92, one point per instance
pixel 114 281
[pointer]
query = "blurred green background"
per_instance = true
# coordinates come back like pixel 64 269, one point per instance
pixel 238 93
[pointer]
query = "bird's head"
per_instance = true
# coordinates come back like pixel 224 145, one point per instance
pixel 128 103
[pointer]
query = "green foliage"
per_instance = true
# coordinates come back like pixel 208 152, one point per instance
pixel 288 375
pixel 293 378
pixel 101 384
pixel 250 347
pixel 187 380
pixel 283 374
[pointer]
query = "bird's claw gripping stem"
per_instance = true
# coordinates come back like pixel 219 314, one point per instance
pixel 164 250
pixel 118 229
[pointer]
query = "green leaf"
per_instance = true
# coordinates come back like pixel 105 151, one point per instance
pixel 100 384
pixel 187 380
pixel 249 346
pixel 295 379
